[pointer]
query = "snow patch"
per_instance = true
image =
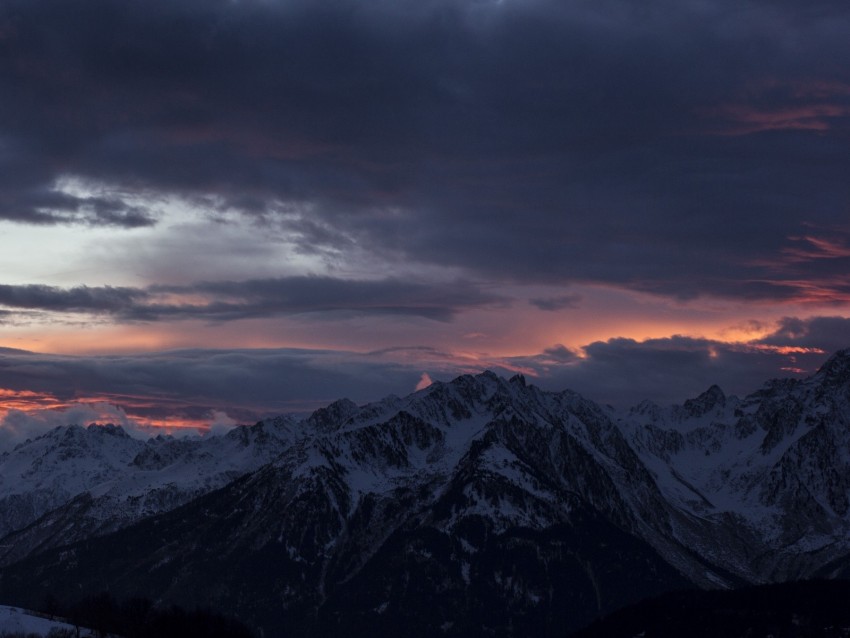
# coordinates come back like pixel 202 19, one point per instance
pixel 17 620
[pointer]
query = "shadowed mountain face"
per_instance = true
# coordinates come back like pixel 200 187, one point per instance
pixel 483 506
pixel 792 610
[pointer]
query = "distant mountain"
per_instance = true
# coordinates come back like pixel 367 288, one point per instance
pixel 768 474
pixel 74 482
pixel 483 506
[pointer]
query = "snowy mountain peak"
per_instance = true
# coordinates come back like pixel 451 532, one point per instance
pixel 836 370
pixel 108 429
pixel 705 402
pixel 99 477
pixel 333 416
pixel 518 379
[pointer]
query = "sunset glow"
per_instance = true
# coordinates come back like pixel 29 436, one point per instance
pixel 27 400
pixel 133 413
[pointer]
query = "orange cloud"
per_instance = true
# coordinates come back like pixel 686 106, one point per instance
pixel 786 350
pixel 122 410
pixel 831 291
pixel 746 119
pixel 424 382
pixel 27 400
pixel 816 248
pixel 809 106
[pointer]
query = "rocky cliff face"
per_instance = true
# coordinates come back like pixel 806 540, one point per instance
pixel 772 467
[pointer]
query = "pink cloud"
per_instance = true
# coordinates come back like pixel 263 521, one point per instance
pixel 424 382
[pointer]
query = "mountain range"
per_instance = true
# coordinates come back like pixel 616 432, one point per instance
pixel 482 506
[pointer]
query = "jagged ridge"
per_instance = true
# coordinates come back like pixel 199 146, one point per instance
pixel 484 493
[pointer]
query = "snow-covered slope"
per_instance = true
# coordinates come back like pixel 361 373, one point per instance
pixel 75 482
pixel 773 468
pixel 21 622
pixel 479 493
pixel 453 478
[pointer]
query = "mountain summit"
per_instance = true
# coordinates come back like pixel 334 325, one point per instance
pixel 836 370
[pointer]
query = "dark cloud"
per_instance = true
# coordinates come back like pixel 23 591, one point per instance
pixel 190 383
pixel 79 299
pixel 556 303
pixel 670 147
pixel 625 371
pixel 324 294
pixel 232 300
pixel 826 333
pixel 42 204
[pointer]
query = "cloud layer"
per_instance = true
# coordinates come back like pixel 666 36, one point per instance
pixel 678 148
pixel 443 182
pixel 231 300
pixel 201 388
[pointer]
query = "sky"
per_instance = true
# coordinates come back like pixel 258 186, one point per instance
pixel 216 210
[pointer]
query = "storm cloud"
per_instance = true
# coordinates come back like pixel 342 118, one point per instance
pixel 677 148
pixel 623 371
pixel 232 300
pixel 631 200
pixel 78 299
